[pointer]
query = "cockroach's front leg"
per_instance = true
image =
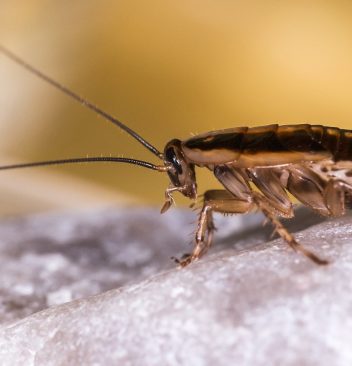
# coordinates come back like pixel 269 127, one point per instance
pixel 214 201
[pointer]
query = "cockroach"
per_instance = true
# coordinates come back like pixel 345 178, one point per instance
pixel 312 162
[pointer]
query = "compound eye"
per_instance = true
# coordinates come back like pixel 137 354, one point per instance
pixel 172 158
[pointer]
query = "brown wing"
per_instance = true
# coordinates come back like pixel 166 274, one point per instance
pixel 263 146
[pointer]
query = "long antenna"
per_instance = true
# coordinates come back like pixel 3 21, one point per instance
pixel 81 100
pixel 93 159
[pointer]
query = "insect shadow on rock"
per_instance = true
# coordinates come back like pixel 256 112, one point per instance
pixel 312 162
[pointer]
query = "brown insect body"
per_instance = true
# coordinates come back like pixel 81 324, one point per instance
pixel 312 162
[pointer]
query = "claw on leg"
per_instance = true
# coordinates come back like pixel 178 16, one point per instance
pixel 184 260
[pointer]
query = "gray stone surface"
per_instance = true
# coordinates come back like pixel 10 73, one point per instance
pixel 251 301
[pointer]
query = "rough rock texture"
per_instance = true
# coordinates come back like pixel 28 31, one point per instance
pixel 249 302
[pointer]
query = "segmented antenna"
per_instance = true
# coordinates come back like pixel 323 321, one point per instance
pixel 93 159
pixel 81 100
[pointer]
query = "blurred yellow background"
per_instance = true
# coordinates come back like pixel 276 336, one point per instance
pixel 165 68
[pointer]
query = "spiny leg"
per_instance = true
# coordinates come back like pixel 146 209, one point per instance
pixel 214 201
pixel 270 213
pixel 205 230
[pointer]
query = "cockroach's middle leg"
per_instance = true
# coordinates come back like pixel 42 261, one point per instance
pixel 214 201
pixel 269 212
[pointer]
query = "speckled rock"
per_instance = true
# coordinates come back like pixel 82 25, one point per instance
pixel 251 301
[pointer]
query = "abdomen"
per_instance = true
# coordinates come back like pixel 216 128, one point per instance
pixel 271 145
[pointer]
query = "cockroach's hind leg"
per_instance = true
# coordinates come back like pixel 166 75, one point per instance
pixel 284 233
pixel 335 196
